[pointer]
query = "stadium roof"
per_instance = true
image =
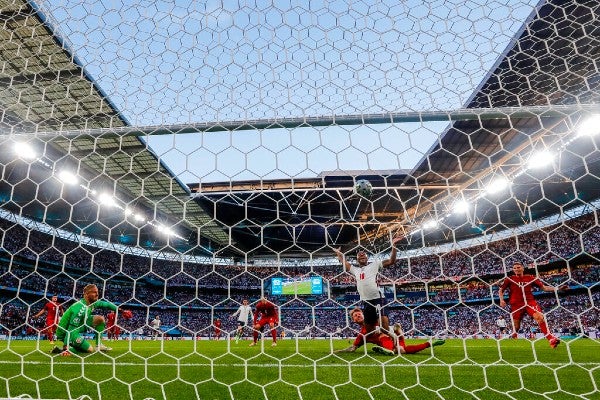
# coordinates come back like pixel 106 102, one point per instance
pixel 46 90
pixel 550 64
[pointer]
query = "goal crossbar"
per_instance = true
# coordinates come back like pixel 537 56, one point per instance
pixel 464 114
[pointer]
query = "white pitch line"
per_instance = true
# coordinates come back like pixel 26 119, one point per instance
pixel 586 364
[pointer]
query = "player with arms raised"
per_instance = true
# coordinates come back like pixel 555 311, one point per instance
pixel 521 300
pixel 53 312
pixel 79 317
pixel 265 314
pixel 365 274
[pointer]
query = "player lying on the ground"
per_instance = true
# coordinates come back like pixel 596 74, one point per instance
pixel 384 344
pixel 78 318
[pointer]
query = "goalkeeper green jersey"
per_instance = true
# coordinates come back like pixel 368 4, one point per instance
pixel 79 316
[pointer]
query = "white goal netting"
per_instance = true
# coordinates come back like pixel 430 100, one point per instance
pixel 189 158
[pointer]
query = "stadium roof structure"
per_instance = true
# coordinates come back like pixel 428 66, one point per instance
pixel 551 63
pixel 534 94
pixel 46 89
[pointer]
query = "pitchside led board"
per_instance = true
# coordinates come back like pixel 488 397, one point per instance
pixel 307 285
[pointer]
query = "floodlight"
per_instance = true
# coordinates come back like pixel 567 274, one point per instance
pixel 107 200
pixel 137 217
pixel 497 185
pixel 25 151
pixel 540 159
pixel 68 177
pixel 589 127
pixel 165 230
pixel 461 207
pixel 431 224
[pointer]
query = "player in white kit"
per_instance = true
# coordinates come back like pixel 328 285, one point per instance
pixel 365 274
pixel 243 312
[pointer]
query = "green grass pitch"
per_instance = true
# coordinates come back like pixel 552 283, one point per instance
pixel 303 369
pixel 300 287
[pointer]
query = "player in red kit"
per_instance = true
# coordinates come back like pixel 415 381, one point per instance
pixel 112 330
pixel 53 312
pixel 266 313
pixel 217 324
pixel 384 343
pixel 520 298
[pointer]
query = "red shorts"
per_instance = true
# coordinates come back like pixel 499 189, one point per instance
pixel 519 310
pixel 387 342
pixel 266 321
pixel 114 330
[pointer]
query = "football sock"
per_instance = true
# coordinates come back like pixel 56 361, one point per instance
pixel 415 348
pixel 401 341
pixel 544 328
pixel 99 329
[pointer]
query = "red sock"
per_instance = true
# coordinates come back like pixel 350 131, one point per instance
pixel 274 335
pixel 255 335
pixel 415 348
pixel 544 328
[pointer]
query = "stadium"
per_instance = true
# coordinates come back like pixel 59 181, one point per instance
pixel 184 157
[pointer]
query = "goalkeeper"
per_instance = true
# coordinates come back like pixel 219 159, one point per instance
pixel 78 318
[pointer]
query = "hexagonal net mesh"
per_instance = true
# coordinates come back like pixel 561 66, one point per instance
pixel 433 164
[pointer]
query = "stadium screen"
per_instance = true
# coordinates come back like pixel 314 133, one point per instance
pixel 307 285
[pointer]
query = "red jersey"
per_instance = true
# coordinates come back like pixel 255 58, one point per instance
pixel 376 338
pixel 265 310
pixel 53 312
pixel 217 324
pixel 521 288
pixel 110 319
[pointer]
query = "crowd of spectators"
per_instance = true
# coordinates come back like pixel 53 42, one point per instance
pixel 452 293
pixel 573 312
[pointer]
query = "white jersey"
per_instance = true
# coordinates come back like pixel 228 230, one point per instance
pixel 244 312
pixel 366 280
pixel 501 322
pixel 155 323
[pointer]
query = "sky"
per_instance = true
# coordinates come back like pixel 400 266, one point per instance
pixel 183 62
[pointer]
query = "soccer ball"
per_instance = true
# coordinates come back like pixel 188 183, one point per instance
pixel 363 187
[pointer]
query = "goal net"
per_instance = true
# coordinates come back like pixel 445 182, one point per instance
pixel 196 160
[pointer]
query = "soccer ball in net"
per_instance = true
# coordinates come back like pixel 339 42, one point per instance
pixel 363 187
